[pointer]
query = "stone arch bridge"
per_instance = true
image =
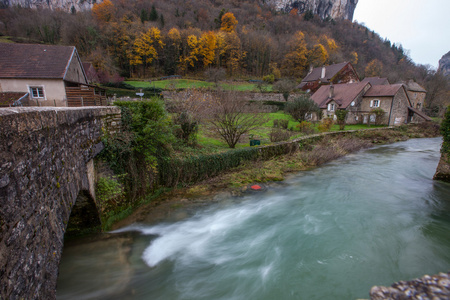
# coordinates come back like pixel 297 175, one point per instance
pixel 46 162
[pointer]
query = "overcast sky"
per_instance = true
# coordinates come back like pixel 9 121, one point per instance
pixel 421 26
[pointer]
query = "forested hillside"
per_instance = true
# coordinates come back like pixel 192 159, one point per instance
pixel 248 39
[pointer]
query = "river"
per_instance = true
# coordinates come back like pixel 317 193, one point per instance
pixel 370 218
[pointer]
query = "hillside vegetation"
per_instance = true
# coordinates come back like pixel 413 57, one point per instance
pixel 211 39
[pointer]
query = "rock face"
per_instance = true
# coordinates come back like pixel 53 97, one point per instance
pixel 335 9
pixel 444 64
pixel 65 5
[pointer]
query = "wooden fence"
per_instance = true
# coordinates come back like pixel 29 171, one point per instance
pixel 85 96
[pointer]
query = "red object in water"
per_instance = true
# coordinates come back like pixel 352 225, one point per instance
pixel 256 187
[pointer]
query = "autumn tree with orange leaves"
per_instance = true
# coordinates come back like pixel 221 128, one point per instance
pixel 229 22
pixel 145 48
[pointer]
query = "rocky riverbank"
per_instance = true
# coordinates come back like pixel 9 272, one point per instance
pixel 436 287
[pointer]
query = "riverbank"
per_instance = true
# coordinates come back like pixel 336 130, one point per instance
pixel 181 202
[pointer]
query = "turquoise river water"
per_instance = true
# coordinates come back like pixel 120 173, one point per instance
pixel 371 218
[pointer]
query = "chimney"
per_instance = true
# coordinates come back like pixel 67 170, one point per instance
pixel 323 72
pixel 331 94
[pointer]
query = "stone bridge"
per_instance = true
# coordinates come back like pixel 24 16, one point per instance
pixel 46 165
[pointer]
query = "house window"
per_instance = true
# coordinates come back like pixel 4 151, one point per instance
pixel 331 107
pixel 375 103
pixel 37 92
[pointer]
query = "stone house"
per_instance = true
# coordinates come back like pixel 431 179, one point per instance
pixel 341 96
pixel 333 74
pixel 416 94
pixel 51 75
pixel 361 98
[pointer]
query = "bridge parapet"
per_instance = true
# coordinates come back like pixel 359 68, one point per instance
pixel 45 160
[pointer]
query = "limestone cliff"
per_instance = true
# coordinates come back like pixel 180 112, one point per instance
pixel 335 9
pixel 66 5
pixel 444 64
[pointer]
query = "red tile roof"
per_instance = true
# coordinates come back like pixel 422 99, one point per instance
pixel 330 72
pixel 34 61
pixel 8 98
pixel 383 90
pixel 344 94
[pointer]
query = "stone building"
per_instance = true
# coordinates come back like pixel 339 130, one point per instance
pixel 51 75
pixel 360 99
pixel 333 74
pixel 416 94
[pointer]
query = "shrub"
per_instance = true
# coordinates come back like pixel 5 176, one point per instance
pixel 281 123
pixel 269 78
pixel 305 127
pixel 279 135
pixel 325 125
pixel 301 106
pixel 341 114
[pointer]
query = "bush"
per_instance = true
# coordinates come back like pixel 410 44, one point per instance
pixel 325 125
pixel 305 127
pixel 279 135
pixel 281 123
pixel 269 78
pixel 301 106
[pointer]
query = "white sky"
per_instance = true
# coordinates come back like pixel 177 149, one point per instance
pixel 421 26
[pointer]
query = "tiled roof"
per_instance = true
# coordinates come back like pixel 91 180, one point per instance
pixel 420 114
pixel 383 90
pixel 413 86
pixel 376 81
pixel 330 72
pixel 34 61
pixel 8 98
pixel 343 94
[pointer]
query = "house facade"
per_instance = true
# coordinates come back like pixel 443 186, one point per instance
pixel 392 99
pixel 51 75
pixel 333 74
pixel 360 99
pixel 416 94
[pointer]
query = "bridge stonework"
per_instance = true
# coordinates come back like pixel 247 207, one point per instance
pixel 45 162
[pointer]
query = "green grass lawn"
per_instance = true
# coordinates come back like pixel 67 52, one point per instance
pixel 190 83
pixel 212 143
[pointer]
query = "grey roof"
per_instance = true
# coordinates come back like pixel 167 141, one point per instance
pixel 330 72
pixel 34 61
pixel 376 81
pixel 343 94
pixel 383 90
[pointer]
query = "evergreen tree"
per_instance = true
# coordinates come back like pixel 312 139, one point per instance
pixel 153 14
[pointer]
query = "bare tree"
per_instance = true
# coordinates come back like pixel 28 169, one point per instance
pixel 233 117
pixel 284 87
pixel 215 75
pixel 190 108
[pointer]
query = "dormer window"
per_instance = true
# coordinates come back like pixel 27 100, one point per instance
pixel 331 107
pixel 375 103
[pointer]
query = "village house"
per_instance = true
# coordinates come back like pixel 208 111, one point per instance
pixel 360 99
pixel 416 94
pixel 347 96
pixel 333 74
pixel 51 75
